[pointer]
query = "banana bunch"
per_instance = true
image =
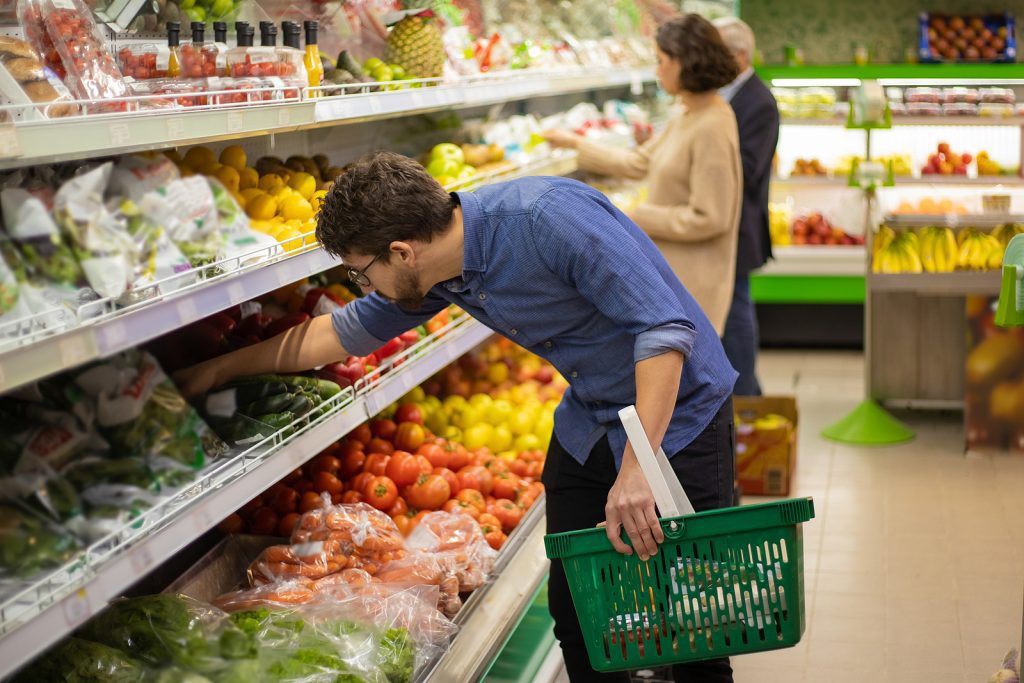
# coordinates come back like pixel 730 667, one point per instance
pixel 900 254
pixel 939 250
pixel 979 251
pixel 1006 232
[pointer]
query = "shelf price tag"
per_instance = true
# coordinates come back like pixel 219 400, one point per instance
pixel 202 520
pixel 72 351
pixel 235 121
pixel 187 311
pixel 375 105
pixel 176 128
pixel 112 334
pixel 10 146
pixel 636 83
pixel 284 116
pixel 120 134
pixel 76 608
pixel 236 293
pixel 141 560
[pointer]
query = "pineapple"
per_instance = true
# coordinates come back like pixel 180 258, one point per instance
pixel 415 43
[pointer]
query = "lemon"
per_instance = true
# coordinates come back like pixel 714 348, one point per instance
pixel 229 177
pixel 251 192
pixel 304 184
pixel 239 199
pixel 296 208
pixel 271 182
pixel 233 156
pixel 173 155
pixel 197 157
pixel 186 171
pixel 210 168
pixel 248 177
pixel 290 239
pixel 262 207
pixel 261 226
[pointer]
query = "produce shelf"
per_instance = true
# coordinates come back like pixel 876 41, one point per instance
pixel 492 612
pixel 994 73
pixel 42 611
pixel 952 284
pixel 107 329
pixel 984 180
pixel 947 121
pixel 820 260
pixel 79 137
pixel 810 181
pixel 952 220
pixel 807 289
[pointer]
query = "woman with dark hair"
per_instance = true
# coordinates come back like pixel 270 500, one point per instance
pixel 692 167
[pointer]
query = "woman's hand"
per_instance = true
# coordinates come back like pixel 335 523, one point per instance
pixel 631 507
pixel 562 138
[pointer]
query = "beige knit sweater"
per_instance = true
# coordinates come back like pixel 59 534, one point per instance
pixel 695 179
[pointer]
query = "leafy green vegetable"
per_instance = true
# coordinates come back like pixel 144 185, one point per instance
pixel 28 544
pixel 397 655
pixel 82 661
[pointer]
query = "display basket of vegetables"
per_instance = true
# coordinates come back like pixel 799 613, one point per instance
pixel 724 582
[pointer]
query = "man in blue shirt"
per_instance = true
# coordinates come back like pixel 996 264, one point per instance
pixel 551 264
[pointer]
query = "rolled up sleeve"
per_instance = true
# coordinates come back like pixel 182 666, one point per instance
pixel 662 339
pixel 366 324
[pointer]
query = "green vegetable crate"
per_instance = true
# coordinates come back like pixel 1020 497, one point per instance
pixel 724 582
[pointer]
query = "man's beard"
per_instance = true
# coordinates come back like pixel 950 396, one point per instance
pixel 409 297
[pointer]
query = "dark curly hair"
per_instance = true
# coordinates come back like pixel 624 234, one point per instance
pixel 707 64
pixel 382 198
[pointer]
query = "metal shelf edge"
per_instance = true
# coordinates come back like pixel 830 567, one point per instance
pixel 952 284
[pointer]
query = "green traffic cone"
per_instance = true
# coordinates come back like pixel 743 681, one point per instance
pixel 869 424
pixel 1010 312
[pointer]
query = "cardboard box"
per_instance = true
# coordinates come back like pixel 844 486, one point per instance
pixel 765 448
pixel 223 568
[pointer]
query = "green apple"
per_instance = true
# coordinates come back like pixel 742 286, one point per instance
pixel 399 72
pixel 382 73
pixel 467 172
pixel 372 63
pixel 441 166
pixel 448 150
pixel 221 8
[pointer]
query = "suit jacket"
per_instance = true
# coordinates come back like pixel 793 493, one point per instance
pixel 757 118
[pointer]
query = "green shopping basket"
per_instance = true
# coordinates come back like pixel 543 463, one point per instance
pixel 724 582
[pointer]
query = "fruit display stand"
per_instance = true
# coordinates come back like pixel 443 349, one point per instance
pixel 47 607
pixel 906 311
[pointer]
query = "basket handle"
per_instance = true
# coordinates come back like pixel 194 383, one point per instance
pixel 669 495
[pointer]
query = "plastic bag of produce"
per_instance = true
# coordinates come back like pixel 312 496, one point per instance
pixel 140 412
pixel 29 544
pixel 77 659
pixel 420 568
pixel 242 246
pixel 310 560
pixel 455 541
pixel 136 175
pixel 101 242
pixel 365 535
pixel 157 258
pixel 285 593
pixel 172 630
pixel 47 256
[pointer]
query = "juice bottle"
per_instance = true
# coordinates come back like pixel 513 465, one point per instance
pixel 314 67
pixel 174 58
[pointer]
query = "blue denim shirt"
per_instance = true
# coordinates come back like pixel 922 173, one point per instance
pixel 551 264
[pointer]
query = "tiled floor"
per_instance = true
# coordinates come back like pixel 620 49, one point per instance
pixel 915 560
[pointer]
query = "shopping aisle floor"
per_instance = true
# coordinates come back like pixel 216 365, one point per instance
pixel 915 560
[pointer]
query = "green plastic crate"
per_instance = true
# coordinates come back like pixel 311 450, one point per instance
pixel 725 582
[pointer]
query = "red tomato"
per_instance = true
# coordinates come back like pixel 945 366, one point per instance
pixel 380 446
pixel 429 492
pixel 488 522
pixel 497 465
pixel 526 499
pixel 359 482
pixel 404 468
pixel 351 497
pixel 264 522
pixel 325 481
pixel 476 477
pixel 376 464
pixel 380 492
pixel 399 508
pixel 352 464
pixel 506 485
pixel 285 500
pixel 458 456
pixel 286 525
pixel 303 485
pixel 495 538
pixel 409 412
pixel 251 507
pixel 310 501
pixel 350 446
pixel 404 523
pixel 450 477
pixel 472 497
pixel 508 513
pixel 519 467
pixel 456 505
pixel 409 436
pixel 293 476
pixel 232 524
pixel 323 463
pixel 383 429
pixel 438 456
pixel 415 520
pixel 362 434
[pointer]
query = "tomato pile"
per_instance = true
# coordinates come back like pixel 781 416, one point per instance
pixel 399 467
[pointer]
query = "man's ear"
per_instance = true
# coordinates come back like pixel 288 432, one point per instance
pixel 404 252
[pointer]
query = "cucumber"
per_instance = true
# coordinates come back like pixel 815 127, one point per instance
pixel 327 389
pixel 277 421
pixel 270 404
pixel 300 405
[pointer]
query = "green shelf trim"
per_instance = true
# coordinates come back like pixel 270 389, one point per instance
pixel 528 645
pixel 873 71
pixel 807 289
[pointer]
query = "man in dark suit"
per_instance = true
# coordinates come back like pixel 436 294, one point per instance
pixel 757 118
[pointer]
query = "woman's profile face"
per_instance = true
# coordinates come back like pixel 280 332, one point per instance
pixel 668 72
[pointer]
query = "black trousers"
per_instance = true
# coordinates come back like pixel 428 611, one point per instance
pixel 576 495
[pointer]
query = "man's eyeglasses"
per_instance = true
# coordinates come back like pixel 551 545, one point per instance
pixel 359 276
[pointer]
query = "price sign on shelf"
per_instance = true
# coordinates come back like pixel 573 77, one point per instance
pixel 73 351
pixel 76 608
pixel 235 121
pixel 187 311
pixel 284 116
pixel 141 560
pixel 176 128
pixel 202 519
pixel 10 146
pixel 120 134
pixel 236 293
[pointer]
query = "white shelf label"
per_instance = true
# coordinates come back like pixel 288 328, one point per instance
pixel 417 99
pixel 72 351
pixel 176 128
pixel 187 311
pixel 235 121
pixel 202 520
pixel 407 381
pixel 120 134
pixel 375 106
pixel 114 333
pixel 10 146
pixel 636 83
pixel 76 608
pixel 284 116
pixel 236 293
pixel 141 560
